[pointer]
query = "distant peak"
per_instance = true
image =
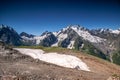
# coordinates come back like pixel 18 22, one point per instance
pixel 2 26
pixel 46 33
pixel 78 27
pixel 7 27
pixel 26 35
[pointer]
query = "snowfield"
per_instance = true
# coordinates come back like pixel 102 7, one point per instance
pixel 55 58
pixel 87 36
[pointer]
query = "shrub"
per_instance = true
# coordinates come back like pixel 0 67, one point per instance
pixel 116 57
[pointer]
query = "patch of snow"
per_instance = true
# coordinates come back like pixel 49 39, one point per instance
pixel 26 38
pixel 39 38
pixel 34 53
pixel 55 44
pixel 87 36
pixel 101 30
pixel 71 45
pixel 82 46
pixel 64 29
pixel 68 61
pixel 55 33
pixel 115 31
pixel 59 32
pixel 61 37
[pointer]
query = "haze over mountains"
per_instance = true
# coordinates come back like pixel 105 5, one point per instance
pixel 98 42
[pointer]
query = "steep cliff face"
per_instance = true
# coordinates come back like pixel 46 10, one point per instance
pixel 9 35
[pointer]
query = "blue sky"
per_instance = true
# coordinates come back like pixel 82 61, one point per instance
pixel 37 16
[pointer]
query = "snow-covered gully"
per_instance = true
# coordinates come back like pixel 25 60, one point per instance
pixel 68 61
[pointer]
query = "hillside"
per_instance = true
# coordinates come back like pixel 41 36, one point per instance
pixel 14 65
pixel 103 43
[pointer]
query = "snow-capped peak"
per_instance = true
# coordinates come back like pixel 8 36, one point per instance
pixel 86 35
pixel 102 30
pixel 81 31
pixel 7 27
pixel 78 27
pixel 115 31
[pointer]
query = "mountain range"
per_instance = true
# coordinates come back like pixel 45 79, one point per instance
pixel 103 43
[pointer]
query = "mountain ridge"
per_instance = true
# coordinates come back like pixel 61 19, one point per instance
pixel 100 42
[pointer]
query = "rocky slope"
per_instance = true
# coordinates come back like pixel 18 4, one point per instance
pixel 16 66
